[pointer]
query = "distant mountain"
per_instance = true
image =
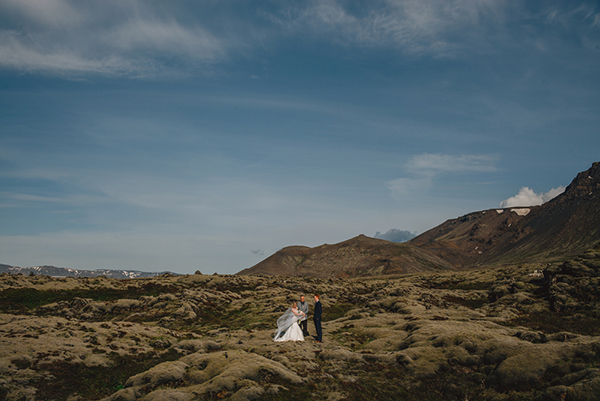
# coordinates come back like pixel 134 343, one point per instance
pixel 560 228
pixel 359 256
pixel 64 272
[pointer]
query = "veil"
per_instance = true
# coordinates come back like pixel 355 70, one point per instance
pixel 285 321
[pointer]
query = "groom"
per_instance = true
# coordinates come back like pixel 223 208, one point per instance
pixel 317 318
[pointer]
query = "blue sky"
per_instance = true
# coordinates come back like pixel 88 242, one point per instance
pixel 188 135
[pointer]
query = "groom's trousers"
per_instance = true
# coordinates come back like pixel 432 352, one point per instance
pixel 318 329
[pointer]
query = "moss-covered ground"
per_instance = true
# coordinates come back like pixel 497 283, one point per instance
pixel 431 336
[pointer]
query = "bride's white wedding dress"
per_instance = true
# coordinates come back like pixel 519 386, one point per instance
pixel 288 328
pixel 293 333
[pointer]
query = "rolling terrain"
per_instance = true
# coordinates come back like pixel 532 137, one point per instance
pixel 526 332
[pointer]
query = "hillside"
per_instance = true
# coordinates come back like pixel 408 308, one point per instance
pixel 558 229
pixel 566 226
pixel 357 257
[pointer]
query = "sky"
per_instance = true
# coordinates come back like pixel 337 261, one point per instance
pixel 206 135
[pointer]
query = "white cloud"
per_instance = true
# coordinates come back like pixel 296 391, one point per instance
pixel 553 193
pixel 528 197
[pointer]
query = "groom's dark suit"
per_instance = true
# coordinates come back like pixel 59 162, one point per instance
pixel 317 319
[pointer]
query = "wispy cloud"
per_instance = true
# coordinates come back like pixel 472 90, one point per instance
pixel 417 27
pixel 25 53
pixel 436 28
pixel 433 164
pixel 425 168
pixel 117 38
pixel 404 187
pixel 50 13
pixel 31 198
pixel 165 37
pixel 138 38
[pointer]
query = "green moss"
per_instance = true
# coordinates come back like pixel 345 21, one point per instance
pixel 469 303
pixel 92 383
pixel 23 299
pixel 211 316
pixel 555 322
pixel 333 312
pixel 379 382
pixel 465 285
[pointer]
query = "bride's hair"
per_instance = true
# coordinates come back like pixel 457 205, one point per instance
pixel 294 305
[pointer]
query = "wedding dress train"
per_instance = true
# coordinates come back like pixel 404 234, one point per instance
pixel 288 328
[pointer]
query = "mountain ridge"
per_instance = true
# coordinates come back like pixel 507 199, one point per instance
pixel 53 271
pixel 561 228
pixel 558 229
pixel 356 257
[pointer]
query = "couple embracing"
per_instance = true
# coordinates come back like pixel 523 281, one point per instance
pixel 288 328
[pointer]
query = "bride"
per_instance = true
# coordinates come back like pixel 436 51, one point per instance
pixel 287 325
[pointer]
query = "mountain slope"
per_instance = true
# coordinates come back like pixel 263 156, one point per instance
pixel 359 256
pixel 563 227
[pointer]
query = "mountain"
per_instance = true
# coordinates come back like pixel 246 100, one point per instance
pixel 64 272
pixel 558 229
pixel 356 257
